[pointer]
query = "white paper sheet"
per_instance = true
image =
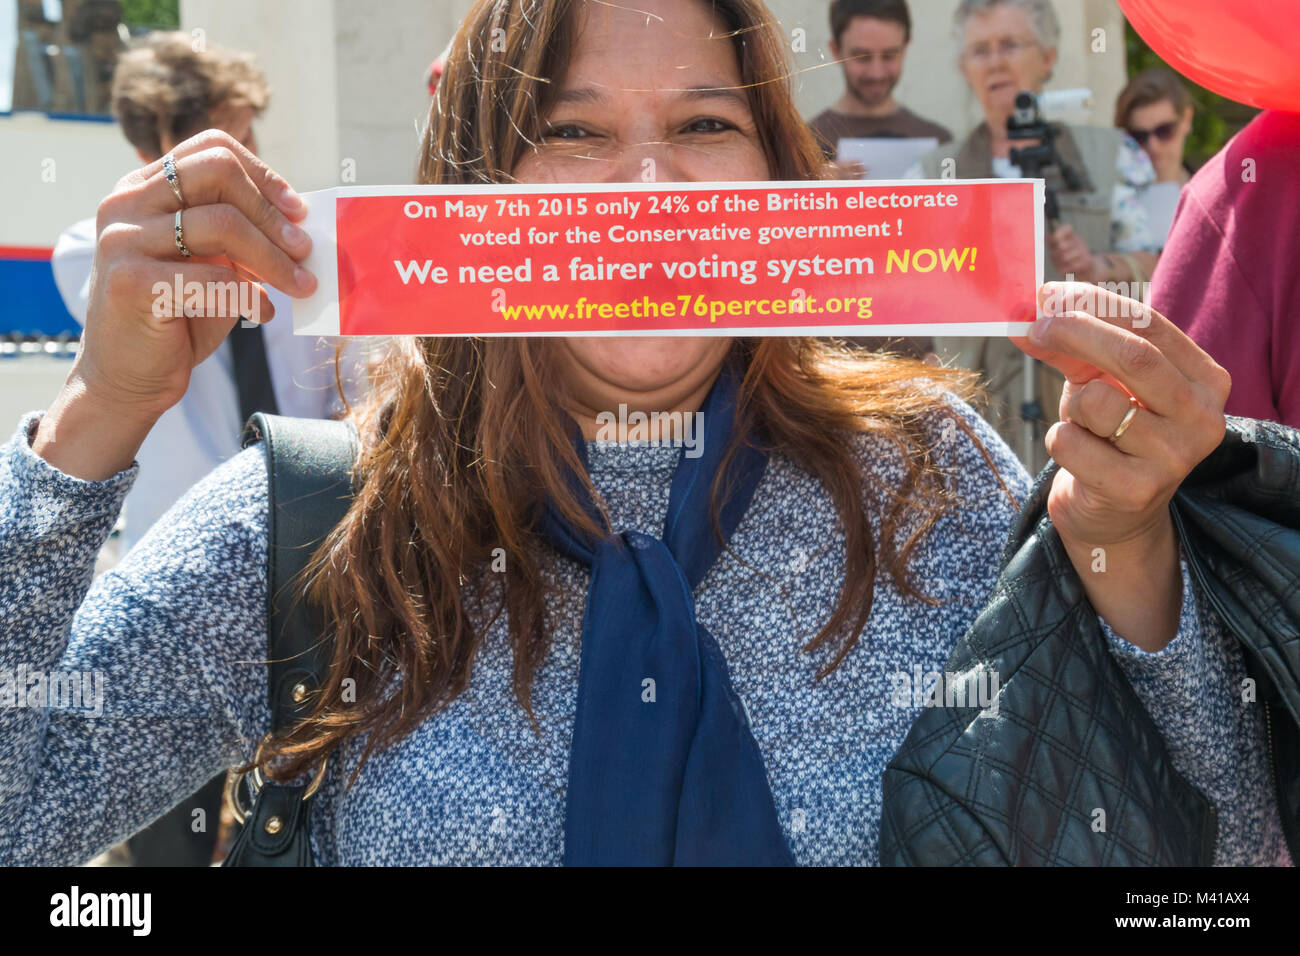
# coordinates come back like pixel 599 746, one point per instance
pixel 1160 200
pixel 886 158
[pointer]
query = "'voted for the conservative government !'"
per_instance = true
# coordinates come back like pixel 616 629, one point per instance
pixel 948 257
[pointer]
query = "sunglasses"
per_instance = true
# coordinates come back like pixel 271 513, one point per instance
pixel 1164 132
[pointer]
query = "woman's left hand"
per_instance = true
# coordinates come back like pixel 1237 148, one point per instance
pixel 1115 495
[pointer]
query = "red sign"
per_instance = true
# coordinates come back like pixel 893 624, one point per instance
pixel 826 258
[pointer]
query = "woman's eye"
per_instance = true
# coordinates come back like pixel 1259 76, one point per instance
pixel 709 126
pixel 564 132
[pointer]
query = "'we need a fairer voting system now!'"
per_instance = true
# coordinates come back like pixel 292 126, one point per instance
pixel 961 257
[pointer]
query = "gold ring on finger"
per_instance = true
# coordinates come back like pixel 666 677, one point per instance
pixel 173 177
pixel 1133 407
pixel 180 236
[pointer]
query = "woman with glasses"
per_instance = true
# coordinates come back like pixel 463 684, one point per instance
pixel 1008 47
pixel 1229 268
pixel 1156 110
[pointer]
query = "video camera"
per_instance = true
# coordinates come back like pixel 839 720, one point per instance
pixel 1029 121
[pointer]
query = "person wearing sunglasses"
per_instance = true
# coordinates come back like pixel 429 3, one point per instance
pixel 1156 110
pixel 1229 271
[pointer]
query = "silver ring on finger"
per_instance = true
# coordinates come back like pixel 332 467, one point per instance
pixel 1133 407
pixel 173 177
pixel 180 236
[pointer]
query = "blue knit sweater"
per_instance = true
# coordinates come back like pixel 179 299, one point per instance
pixel 173 636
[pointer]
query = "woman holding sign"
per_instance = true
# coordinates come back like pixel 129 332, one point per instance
pixel 549 648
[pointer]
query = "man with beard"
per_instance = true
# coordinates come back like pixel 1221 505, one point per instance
pixel 870 38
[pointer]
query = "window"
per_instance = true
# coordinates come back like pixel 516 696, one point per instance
pixel 58 55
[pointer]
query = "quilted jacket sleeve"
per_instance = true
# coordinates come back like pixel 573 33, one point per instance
pixel 1071 770
pixel 937 829
pixel 1103 754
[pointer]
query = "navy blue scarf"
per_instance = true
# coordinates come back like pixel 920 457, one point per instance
pixel 663 768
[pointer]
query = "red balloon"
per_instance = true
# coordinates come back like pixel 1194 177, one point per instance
pixel 1246 50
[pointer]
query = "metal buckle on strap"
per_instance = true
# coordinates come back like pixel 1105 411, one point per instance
pixel 257 780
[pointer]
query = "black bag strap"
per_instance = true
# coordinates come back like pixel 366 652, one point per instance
pixel 310 466
pixel 253 385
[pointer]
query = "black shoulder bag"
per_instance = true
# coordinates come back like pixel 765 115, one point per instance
pixel 309 467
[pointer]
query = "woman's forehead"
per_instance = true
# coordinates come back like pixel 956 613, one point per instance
pixel 1156 108
pixel 665 44
pixel 997 20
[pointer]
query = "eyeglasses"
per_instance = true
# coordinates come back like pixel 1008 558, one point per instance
pixel 1164 132
pixel 1008 47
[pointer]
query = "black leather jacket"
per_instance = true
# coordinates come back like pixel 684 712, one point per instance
pixel 1070 734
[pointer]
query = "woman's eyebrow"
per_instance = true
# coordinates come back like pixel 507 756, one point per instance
pixel 586 94
pixel 590 94
pixel 717 92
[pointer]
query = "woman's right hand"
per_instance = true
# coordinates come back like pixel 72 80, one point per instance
pixel 135 360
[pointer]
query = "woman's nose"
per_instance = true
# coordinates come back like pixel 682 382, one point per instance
pixel 648 162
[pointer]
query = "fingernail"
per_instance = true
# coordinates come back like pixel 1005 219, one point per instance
pixel 305 280
pixel 290 200
pixel 293 235
pixel 1038 331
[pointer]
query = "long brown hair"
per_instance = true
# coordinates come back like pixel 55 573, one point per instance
pixel 462 438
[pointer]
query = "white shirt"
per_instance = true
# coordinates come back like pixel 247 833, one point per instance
pixel 203 429
pixel 1004 168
